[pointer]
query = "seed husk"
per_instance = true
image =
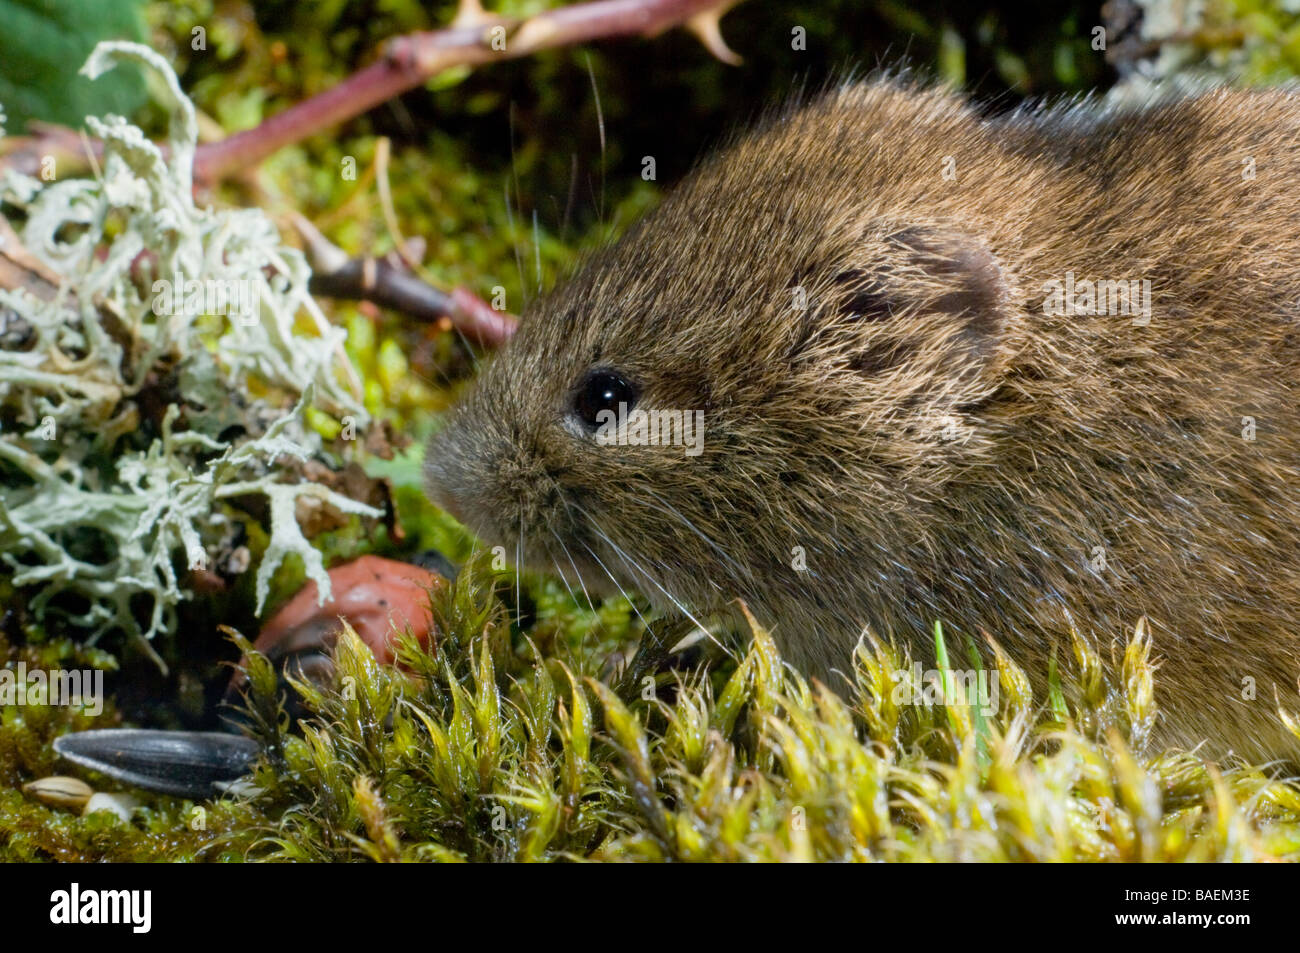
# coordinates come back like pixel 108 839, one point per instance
pixel 60 791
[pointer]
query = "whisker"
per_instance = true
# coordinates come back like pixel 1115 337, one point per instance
pixel 564 580
pixel 633 565
pixel 519 558
pixel 519 202
pixel 573 191
pixel 600 122
pixel 576 571
pixel 717 548
pixel 519 259
pixel 617 585
pixel 629 562
pixel 601 563
pixel 537 251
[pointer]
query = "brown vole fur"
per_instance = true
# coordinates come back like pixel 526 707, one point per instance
pixel 938 444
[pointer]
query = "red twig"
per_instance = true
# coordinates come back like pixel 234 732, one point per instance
pixel 411 60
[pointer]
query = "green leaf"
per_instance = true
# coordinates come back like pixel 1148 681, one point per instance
pixel 42 45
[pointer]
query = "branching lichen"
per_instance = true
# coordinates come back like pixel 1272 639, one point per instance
pixel 150 387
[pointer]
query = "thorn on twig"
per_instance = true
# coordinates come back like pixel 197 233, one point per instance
pixel 470 14
pixel 707 27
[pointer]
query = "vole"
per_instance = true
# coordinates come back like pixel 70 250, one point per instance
pixel 913 407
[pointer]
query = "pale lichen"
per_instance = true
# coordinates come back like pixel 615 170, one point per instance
pixel 153 303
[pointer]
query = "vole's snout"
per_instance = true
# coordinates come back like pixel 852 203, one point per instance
pixel 449 467
pixel 487 480
pixel 438 486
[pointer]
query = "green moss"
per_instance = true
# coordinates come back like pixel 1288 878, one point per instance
pixel 500 752
pixel 486 749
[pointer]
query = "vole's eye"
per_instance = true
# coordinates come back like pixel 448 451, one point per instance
pixel 602 390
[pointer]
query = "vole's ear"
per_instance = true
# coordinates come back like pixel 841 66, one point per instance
pixel 928 306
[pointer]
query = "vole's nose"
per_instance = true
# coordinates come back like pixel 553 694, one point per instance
pixel 440 481
pixel 446 500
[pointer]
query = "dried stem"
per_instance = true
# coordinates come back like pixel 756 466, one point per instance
pixel 335 275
